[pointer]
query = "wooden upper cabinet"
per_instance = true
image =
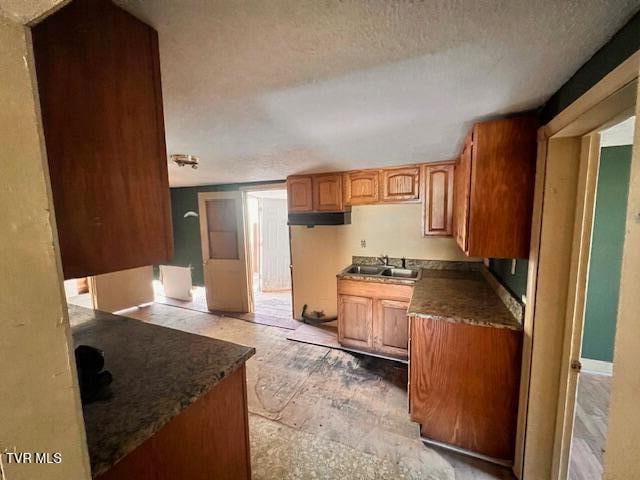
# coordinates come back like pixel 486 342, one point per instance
pixel 495 197
pixel 98 73
pixel 400 184
pixel 327 192
pixel 300 194
pixel 361 187
pixel 437 205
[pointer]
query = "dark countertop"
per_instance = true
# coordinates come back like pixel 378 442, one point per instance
pixel 460 297
pixel 157 373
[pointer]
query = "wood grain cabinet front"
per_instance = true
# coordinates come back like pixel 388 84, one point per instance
pixel 105 142
pixel 437 203
pixel 300 194
pixel 372 317
pixel 400 184
pixel 361 187
pixel 494 188
pixel 355 328
pixel 327 192
pixel 464 385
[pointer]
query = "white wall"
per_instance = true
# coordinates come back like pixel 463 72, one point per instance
pixel 40 407
pixel 319 253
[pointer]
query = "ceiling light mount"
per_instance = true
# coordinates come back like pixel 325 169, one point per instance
pixel 183 159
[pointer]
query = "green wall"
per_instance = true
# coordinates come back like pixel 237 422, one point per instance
pixel 187 250
pixel 516 283
pixel 606 253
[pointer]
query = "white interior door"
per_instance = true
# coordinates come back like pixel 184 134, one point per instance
pixel 223 250
pixel 275 274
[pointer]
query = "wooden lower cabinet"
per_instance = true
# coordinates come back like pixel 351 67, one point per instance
pixel 355 321
pixel 464 383
pixel 391 327
pixel 208 439
pixel 373 317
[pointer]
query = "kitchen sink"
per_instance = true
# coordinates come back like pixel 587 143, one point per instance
pixel 382 271
pixel 400 273
pixel 365 270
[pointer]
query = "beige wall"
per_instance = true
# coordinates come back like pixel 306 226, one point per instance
pixel 115 291
pixel 319 253
pixel 622 460
pixel 39 400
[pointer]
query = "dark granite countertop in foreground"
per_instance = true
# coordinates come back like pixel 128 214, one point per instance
pixel 157 373
pixel 460 297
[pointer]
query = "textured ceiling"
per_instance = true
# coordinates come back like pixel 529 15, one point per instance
pixel 263 89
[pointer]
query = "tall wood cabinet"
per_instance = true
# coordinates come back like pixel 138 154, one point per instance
pixel 98 75
pixel 494 188
pixel 437 205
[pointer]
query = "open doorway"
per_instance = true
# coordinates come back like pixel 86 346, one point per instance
pixel 601 302
pixel 267 246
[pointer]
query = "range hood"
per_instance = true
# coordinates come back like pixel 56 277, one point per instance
pixel 313 219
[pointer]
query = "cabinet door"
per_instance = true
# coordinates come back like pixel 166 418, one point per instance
pixel 361 187
pixel 327 192
pixel 105 142
pixel 400 184
pixel 462 187
pixel 355 317
pixel 391 328
pixel 437 206
pixel 299 194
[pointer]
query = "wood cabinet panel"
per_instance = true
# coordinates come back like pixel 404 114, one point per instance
pixel 361 187
pixel 502 182
pixel 400 184
pixel 462 190
pixel 437 205
pixel 300 194
pixel 327 192
pixel 355 327
pixel 391 327
pixel 209 439
pixel 464 384
pixel 98 76
pixel 494 183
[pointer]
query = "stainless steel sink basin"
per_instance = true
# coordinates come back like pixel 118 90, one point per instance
pixel 382 271
pixel 365 270
pixel 400 273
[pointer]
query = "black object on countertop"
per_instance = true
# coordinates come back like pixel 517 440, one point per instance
pixel 93 380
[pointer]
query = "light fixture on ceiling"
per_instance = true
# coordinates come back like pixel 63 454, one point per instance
pixel 183 159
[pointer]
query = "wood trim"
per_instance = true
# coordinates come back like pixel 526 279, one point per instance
pixel 626 72
pixel 576 297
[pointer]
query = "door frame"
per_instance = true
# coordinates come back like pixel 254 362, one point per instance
pixel 245 190
pixel 558 263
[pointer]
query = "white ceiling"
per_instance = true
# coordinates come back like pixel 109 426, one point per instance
pixel 263 89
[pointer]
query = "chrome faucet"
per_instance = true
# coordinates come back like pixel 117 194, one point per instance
pixel 384 259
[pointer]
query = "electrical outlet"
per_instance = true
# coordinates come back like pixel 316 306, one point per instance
pixel 363 244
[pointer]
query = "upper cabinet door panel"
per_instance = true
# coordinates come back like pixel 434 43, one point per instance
pixel 438 199
pixel 400 184
pixel 361 187
pixel 299 194
pixel 327 192
pixel 462 186
pixel 98 74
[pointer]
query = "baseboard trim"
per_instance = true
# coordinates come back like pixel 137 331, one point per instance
pixel 596 366
pixel 464 451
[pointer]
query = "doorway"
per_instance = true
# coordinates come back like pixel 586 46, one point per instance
pixel 268 252
pixel 601 303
